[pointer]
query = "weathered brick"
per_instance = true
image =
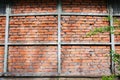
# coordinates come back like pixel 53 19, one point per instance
pixel 117 49
pixel 33 29
pixel 92 6
pixel 33 6
pixel 116 64
pixel 86 60
pixel 2 29
pixel 23 59
pixel 76 60
pixel 117 30
pixel 75 29
pixel 1 58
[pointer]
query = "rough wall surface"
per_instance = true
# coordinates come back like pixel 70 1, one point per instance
pixel 92 6
pixel 116 65
pixel 35 59
pixel 118 49
pixel 117 31
pixel 2 38
pixel 85 60
pixel 41 60
pixel 34 29
pixel 1 58
pixel 75 29
pixel 33 6
pixel 2 29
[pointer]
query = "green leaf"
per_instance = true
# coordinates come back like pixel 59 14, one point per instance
pixel 99 30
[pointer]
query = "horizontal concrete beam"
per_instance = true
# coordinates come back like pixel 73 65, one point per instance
pixel 86 14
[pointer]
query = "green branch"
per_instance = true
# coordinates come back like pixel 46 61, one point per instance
pixel 99 30
pixel 110 29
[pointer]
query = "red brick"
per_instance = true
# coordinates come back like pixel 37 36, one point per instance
pixel 1 58
pixel 117 31
pixel 76 60
pixel 75 31
pixel 33 6
pixel 2 29
pixel 32 59
pixel 117 49
pixel 98 6
pixel 33 29
pixel 116 64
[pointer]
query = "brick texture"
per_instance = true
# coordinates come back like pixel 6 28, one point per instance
pixel 117 49
pixel 43 60
pixel 75 28
pixel 117 31
pixel 1 58
pixel 33 6
pixel 85 60
pixel 92 6
pixel 34 59
pixel 2 29
pixel 116 65
pixel 33 29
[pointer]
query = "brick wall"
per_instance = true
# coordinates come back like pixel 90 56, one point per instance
pixel 26 59
pixel 33 29
pixel 86 60
pixel 1 58
pixel 2 29
pixel 117 31
pixel 33 6
pixel 41 60
pixel 117 49
pixel 98 6
pixel 75 28
pixel 116 65
pixel 2 37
